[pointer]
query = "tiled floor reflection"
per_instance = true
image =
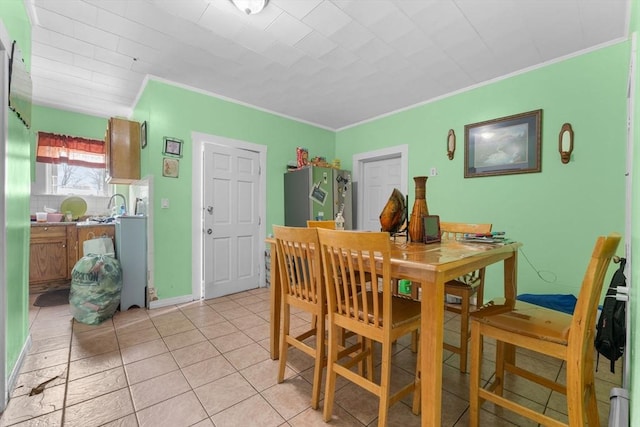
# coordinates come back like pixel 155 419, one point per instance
pixel 207 364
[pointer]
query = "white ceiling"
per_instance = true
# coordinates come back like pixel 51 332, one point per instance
pixel 328 62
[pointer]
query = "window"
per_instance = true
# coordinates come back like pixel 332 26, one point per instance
pixel 65 179
pixel 71 165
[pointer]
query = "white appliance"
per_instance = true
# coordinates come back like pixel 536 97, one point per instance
pixel 131 251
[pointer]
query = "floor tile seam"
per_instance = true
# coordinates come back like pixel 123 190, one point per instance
pixel 66 383
pixel 185 346
pixel 98 395
pixel 257 393
pixel 193 389
pixel 126 376
pixel 138 410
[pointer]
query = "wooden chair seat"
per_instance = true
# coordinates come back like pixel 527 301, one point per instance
pixel 405 311
pixel 528 320
pixel 570 338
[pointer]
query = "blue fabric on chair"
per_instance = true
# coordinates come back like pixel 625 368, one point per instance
pixel 558 302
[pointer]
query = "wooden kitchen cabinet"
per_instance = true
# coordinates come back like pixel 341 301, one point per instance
pixel 51 255
pixel 122 145
pixel 55 249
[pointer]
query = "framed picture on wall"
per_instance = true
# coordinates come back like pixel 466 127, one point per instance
pixel 504 146
pixel 170 167
pixel 172 147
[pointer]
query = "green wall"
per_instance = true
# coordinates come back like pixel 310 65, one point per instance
pixel 557 213
pixel 16 196
pixel 47 119
pixel 176 112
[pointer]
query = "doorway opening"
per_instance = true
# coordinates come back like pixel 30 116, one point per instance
pixel 376 174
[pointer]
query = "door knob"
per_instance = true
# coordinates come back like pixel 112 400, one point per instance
pixel 209 231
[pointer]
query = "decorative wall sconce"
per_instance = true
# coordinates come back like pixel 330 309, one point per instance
pixel 451 144
pixel 565 143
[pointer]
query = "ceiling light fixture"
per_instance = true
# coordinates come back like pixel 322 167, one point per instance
pixel 250 7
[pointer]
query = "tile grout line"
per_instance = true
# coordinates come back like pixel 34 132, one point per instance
pixel 66 382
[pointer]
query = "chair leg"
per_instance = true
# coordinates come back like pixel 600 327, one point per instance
pixel 476 371
pixel 464 331
pixel 330 387
pixel 577 386
pixel 319 365
pixel 415 338
pixel 500 361
pixel 592 405
pixel 369 348
pixel 385 384
pixel 286 324
pixel 417 390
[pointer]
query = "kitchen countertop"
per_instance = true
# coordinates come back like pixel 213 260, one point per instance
pixel 77 223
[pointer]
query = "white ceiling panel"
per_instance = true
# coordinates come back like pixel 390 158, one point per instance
pixel 329 62
pixel 288 29
pixel 326 18
pixel 316 45
pixel 296 8
pixel 190 10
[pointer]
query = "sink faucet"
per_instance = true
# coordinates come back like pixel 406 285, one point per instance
pixel 124 201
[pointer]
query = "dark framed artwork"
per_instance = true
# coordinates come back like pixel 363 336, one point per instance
pixel 504 146
pixel 172 147
pixel 143 135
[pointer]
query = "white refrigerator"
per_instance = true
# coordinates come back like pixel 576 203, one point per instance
pixel 131 251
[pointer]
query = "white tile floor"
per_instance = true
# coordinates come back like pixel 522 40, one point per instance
pixel 207 364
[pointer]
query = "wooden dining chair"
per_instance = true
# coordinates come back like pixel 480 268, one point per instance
pixel 327 223
pixel 549 332
pixel 464 288
pixel 366 307
pixel 300 280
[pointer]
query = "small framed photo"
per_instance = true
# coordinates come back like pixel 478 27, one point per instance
pixel 172 147
pixel 170 167
pixel 143 135
pixel 508 145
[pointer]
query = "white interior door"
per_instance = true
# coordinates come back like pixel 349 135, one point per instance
pixel 376 174
pixel 380 177
pixel 231 220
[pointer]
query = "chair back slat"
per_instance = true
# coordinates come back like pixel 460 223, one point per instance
pixel 582 333
pixel 299 263
pixel 350 260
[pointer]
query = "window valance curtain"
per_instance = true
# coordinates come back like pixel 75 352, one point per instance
pixel 75 151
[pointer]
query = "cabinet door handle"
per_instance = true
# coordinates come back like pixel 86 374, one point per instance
pixel 64 246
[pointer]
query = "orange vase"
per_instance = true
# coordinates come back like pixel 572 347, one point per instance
pixel 416 226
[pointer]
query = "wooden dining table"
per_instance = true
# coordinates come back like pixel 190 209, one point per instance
pixel 431 266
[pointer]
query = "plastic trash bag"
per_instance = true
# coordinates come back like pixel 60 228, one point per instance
pixel 98 246
pixel 96 282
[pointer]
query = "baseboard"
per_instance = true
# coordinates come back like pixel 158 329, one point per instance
pixel 11 381
pixel 170 301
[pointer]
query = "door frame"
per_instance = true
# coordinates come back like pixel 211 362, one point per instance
pixel 197 213
pixel 371 156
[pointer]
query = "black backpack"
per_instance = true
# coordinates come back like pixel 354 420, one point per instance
pixel 611 328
